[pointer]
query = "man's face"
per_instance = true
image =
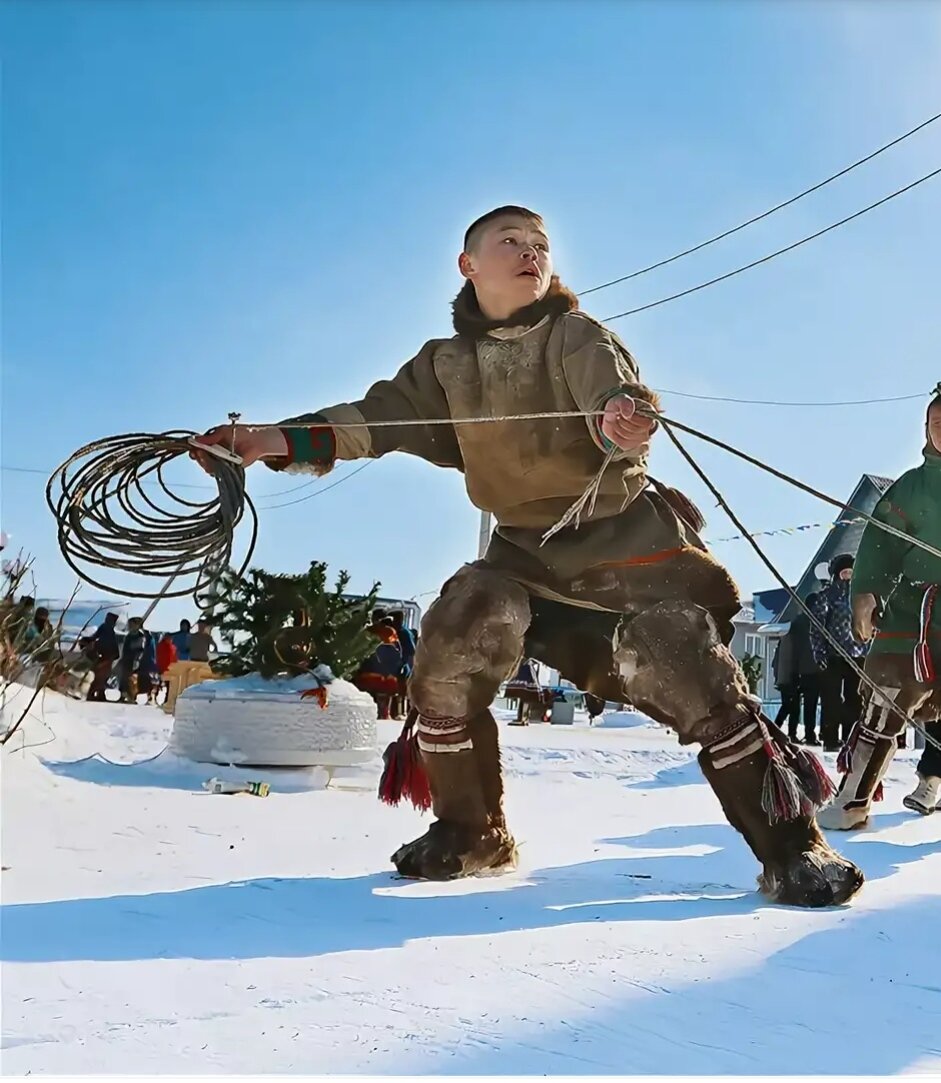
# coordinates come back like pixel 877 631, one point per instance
pixel 847 573
pixel 509 260
pixel 934 428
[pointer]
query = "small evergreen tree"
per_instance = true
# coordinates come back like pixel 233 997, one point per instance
pixel 287 624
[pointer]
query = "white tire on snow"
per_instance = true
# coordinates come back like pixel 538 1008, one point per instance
pixel 249 720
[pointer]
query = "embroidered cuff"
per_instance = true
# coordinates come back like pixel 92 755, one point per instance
pixel 311 444
pixel 311 449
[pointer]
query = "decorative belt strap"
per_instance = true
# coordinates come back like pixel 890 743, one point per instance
pixel 924 667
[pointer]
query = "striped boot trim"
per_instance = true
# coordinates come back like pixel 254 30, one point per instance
pixel 745 739
pixel 879 714
pixel 436 734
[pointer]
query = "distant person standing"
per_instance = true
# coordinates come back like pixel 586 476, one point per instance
pixel 137 662
pixel 165 655
pixel 839 685
pixel 784 667
pixel 808 675
pixel 407 645
pixel 103 652
pixel 201 643
pixel 181 640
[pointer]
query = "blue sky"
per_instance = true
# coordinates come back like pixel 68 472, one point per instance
pixel 258 207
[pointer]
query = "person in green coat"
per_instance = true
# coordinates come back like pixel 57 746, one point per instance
pixel 896 609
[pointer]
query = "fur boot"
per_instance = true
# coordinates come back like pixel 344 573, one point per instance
pixel 864 760
pixel 676 668
pixel 470 835
pixel 925 797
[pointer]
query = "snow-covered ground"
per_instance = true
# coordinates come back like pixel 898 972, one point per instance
pixel 148 926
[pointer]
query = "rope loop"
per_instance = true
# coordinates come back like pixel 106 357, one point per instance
pixel 108 519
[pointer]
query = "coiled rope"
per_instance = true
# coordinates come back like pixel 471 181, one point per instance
pixel 107 518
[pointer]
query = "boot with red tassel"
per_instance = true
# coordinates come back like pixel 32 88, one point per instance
pixel 863 761
pixel 403 773
pixel 452 765
pixel 769 791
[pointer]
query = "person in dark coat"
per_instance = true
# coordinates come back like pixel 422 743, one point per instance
pixel 103 652
pixel 407 645
pixel 839 685
pixel 808 675
pixel 133 673
pixel 784 666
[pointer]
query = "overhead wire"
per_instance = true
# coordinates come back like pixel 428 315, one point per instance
pixel 765 214
pixel 774 255
pixel 320 489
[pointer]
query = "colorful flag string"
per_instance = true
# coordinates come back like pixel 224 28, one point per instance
pixel 785 530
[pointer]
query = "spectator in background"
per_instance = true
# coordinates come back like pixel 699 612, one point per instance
pixel 201 643
pixel 40 636
pixel 181 640
pixel 839 686
pixel 102 651
pixel 796 676
pixel 137 662
pixel 379 673
pixel 807 674
pixel 165 656
pixel 407 646
pixel 784 667
pixel 148 677
pixel 18 623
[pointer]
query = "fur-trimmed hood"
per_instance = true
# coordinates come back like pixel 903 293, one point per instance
pixel 471 322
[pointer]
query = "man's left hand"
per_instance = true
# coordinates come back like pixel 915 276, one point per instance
pixel 623 426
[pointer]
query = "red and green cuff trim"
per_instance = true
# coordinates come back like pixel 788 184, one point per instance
pixel 310 444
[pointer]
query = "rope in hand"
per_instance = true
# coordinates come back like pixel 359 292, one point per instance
pixel 645 411
pixel 108 519
pixel 670 425
pixel 769 564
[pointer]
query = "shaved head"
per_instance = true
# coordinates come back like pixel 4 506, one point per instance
pixel 477 228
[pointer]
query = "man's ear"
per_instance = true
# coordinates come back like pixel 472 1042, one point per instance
pixel 465 265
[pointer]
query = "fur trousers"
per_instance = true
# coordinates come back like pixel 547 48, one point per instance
pixel 669 658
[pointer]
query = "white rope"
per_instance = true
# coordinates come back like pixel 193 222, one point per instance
pixel 418 422
pixel 585 502
pixel 642 411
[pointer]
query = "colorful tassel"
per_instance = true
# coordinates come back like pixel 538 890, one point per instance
pixel 814 780
pixel 844 761
pixel 781 796
pixel 795 783
pixel 403 773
